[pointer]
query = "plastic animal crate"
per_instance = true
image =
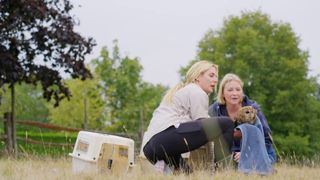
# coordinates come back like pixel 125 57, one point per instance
pixel 102 153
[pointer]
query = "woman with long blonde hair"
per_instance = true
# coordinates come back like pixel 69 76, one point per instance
pixel 181 122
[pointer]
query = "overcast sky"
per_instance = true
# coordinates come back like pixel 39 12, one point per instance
pixel 164 34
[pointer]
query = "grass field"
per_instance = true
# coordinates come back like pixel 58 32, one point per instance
pixel 47 143
pixel 61 168
pixel 51 162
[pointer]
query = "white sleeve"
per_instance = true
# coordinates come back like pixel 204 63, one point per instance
pixel 199 103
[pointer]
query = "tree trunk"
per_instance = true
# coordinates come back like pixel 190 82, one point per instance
pixel 141 123
pixel 85 117
pixel 13 123
pixel 8 132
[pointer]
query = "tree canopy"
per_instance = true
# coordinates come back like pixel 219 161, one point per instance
pixel 84 109
pixel 267 57
pixel 129 100
pixel 29 105
pixel 38 43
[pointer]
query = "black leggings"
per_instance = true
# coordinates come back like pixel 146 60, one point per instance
pixel 169 144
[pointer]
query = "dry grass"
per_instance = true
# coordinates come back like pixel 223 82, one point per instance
pixel 46 168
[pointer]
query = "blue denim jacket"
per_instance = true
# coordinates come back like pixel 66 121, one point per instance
pixel 217 109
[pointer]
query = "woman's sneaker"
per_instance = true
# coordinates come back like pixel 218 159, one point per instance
pixel 159 166
pixel 162 168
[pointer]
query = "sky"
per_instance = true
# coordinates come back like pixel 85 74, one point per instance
pixel 164 34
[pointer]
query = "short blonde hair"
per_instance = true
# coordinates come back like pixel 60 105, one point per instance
pixel 227 78
pixel 192 74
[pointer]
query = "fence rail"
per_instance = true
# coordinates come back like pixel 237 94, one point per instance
pixel 47 126
pixel 6 136
pixel 31 141
pixel 9 130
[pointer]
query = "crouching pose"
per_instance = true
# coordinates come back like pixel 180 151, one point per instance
pixel 230 102
pixel 181 122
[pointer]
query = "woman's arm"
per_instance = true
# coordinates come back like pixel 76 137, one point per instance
pixel 199 103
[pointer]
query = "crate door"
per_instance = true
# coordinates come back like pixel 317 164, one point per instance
pixel 113 158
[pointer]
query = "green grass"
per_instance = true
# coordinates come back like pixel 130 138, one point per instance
pixel 62 137
pixel 47 146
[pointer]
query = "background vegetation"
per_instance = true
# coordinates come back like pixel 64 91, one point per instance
pixel 265 54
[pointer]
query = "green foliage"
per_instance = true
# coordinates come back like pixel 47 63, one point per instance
pixel 86 103
pixel 267 57
pixel 293 144
pixel 318 93
pixel 41 149
pixel 54 137
pixel 29 104
pixel 47 137
pixel 129 100
pixel 37 41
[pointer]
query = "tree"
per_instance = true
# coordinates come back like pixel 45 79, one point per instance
pixel 29 106
pixel 318 94
pixel 147 100
pixel 130 101
pixel 84 109
pixel 37 43
pixel 37 40
pixel 266 55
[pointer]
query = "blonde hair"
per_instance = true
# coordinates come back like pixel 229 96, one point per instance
pixel 192 74
pixel 227 78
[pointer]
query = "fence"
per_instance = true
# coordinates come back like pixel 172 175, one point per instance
pixel 11 138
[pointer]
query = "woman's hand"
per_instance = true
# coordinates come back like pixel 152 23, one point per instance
pixel 236 157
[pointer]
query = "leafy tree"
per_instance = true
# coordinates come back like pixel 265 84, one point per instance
pixel 84 109
pixel 37 40
pixel 266 55
pixel 29 105
pixel 318 94
pixel 130 101
pixel 148 98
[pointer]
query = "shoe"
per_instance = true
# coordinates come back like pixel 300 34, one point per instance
pixel 159 166
pixel 167 170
